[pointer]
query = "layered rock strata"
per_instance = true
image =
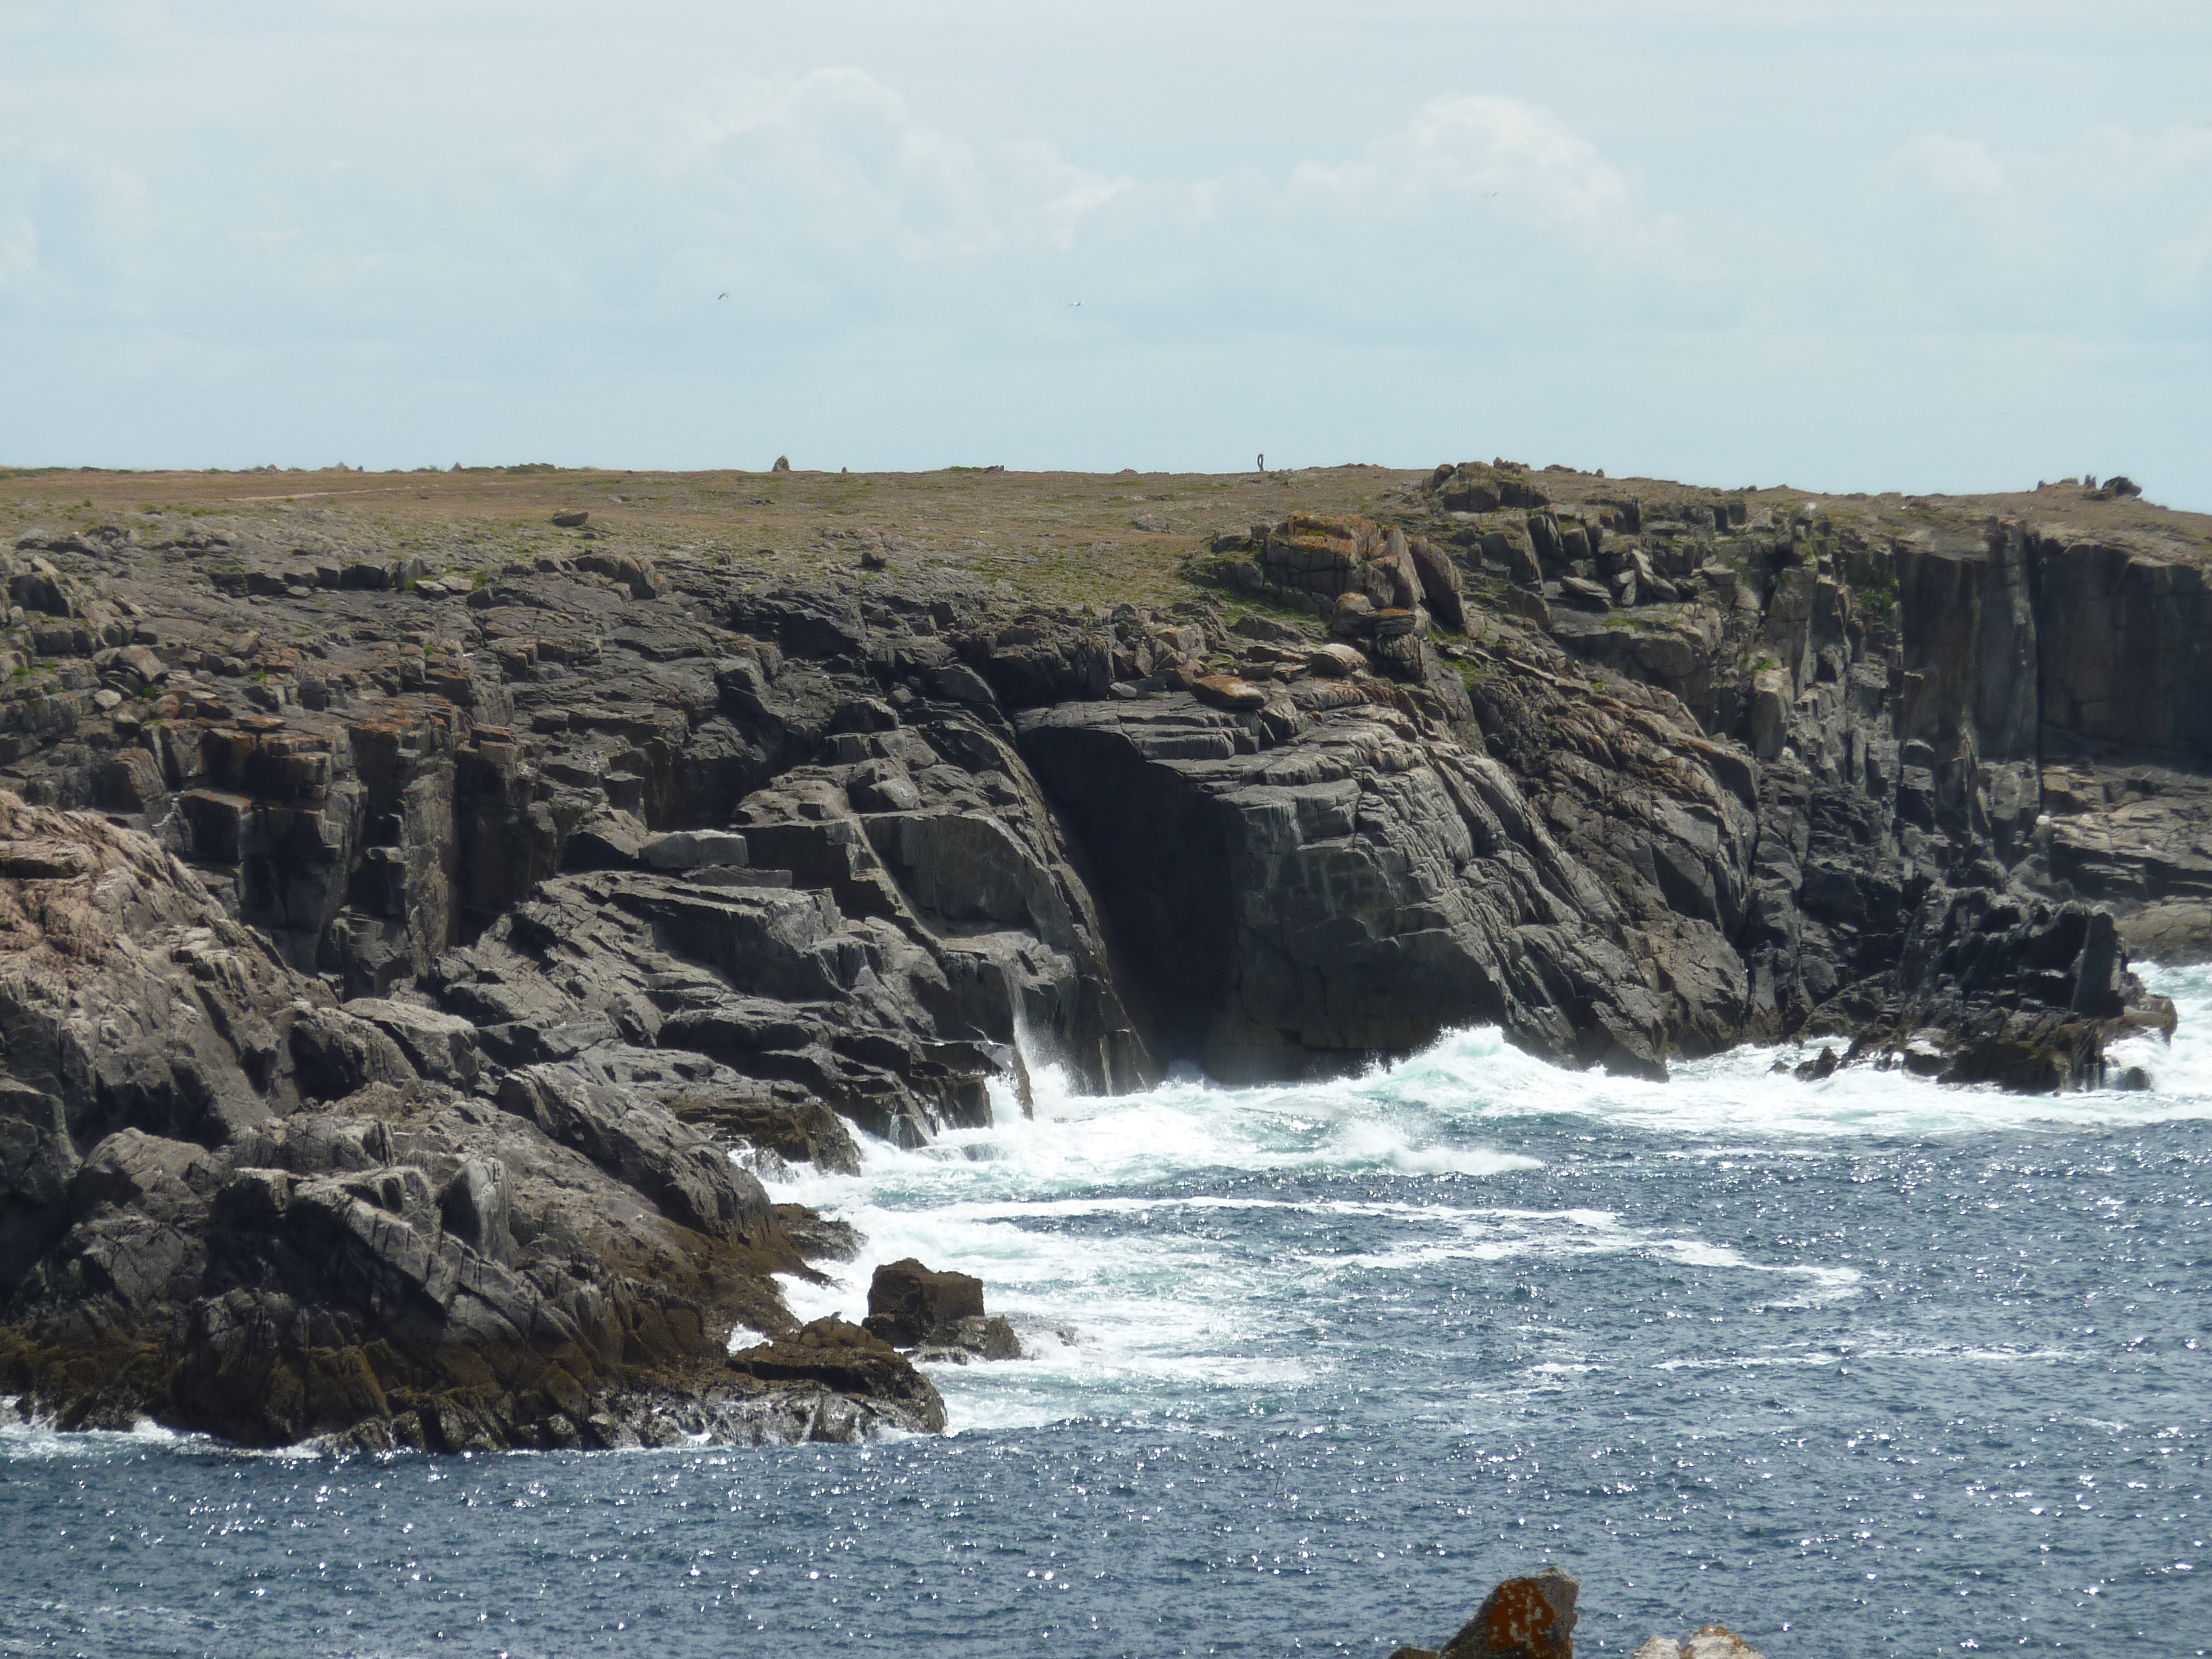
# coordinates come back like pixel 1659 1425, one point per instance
pixel 507 923
pixel 236 1206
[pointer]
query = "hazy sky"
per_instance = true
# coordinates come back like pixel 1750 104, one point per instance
pixel 1844 246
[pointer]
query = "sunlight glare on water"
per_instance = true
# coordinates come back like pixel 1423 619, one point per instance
pixel 1867 1366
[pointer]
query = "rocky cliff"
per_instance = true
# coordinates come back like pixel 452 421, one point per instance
pixel 409 957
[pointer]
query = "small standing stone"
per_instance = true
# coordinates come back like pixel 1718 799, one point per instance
pixel 1529 1617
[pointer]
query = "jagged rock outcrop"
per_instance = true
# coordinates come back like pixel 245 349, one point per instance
pixel 480 916
pixel 229 1204
pixel 941 1314
pixel 1894 689
pixel 1527 1617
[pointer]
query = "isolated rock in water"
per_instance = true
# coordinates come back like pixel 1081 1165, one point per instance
pixel 1713 1642
pixel 1531 1618
pixel 909 1304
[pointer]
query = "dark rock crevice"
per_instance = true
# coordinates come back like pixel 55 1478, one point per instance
pixel 401 1103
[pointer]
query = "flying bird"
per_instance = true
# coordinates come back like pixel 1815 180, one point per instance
pixel 1073 303
pixel 722 296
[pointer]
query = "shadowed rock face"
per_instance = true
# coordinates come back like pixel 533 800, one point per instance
pixel 237 1207
pixel 1343 895
pixel 389 973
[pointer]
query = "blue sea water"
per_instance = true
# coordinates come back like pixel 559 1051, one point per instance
pixel 1863 1367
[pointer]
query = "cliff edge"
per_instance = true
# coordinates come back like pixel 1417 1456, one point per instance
pixel 419 934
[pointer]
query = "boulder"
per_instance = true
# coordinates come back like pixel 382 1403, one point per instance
pixel 476 1207
pixel 1713 1642
pixel 1531 1618
pixel 1269 630
pixel 910 1304
pixel 611 839
pixel 1227 691
pixel 1584 594
pixel 691 849
pixel 335 1054
pixel 439 1046
pixel 1528 603
pixel 960 684
pixel 1336 661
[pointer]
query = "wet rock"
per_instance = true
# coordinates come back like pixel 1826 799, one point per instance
pixel 819 1238
pixel 850 1361
pixel 910 1304
pixel 1821 1066
pixel 972 1338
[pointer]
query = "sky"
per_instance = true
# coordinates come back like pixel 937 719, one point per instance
pixel 1952 244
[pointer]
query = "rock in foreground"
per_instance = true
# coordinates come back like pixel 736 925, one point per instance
pixel 1713 1642
pixel 229 1204
pixel 1535 1618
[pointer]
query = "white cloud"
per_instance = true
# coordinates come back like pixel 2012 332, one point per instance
pixel 2112 224
pixel 493 229
pixel 1477 148
pixel 1960 168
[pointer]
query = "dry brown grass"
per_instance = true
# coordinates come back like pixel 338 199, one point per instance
pixel 1063 537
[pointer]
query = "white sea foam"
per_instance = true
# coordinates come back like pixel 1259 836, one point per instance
pixel 1108 1217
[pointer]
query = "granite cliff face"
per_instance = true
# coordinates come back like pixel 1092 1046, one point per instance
pixel 406 967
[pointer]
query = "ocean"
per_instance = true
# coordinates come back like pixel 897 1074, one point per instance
pixel 1861 1367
